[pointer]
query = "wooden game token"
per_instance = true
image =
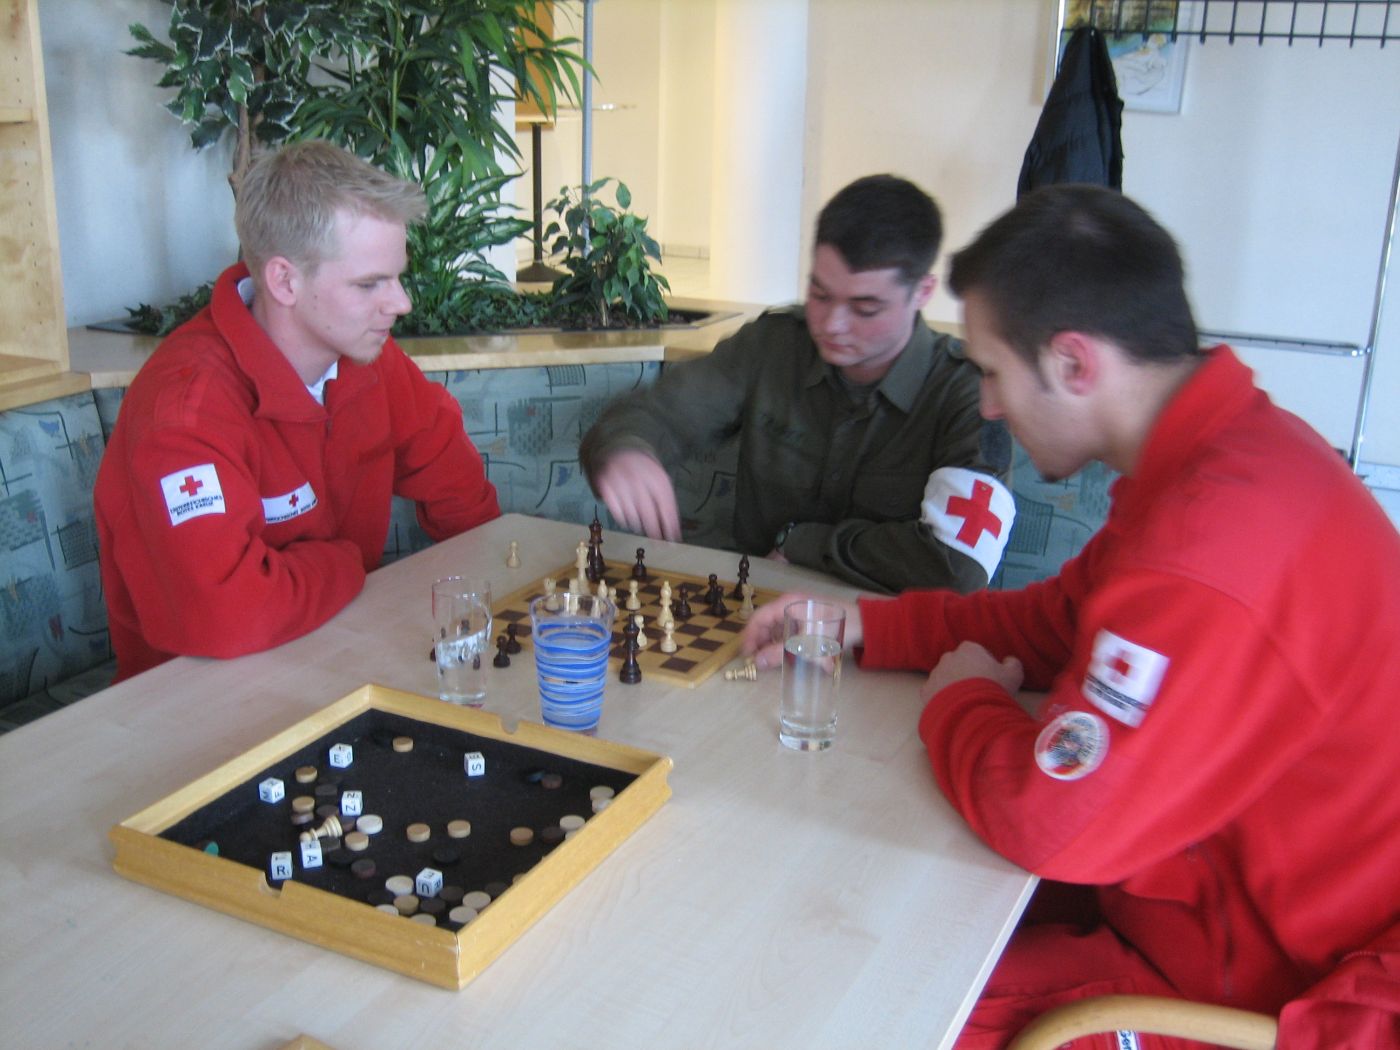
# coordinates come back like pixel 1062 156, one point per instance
pixel 327 789
pixel 462 914
pixel 350 824
pixel 601 791
pixel 330 844
pixel 521 836
pixel 495 889
pixel 419 833
pixel 551 781
pixel 600 804
pixel 571 822
pixel 357 841
pixel 364 868
pixel 407 903
pixel 552 835
pixel 403 743
pixel 303 804
pixel 305 774
pixel 387 909
pixel 445 856
pixel 476 899
pixel 452 894
pixel 432 905
pixel 327 810
pixel 423 919
pixel 300 819
pixel 378 897
pixel 338 857
pixel 369 823
pixel 459 829
pixel 398 885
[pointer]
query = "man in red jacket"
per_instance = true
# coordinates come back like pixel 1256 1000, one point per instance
pixel 1216 750
pixel 245 492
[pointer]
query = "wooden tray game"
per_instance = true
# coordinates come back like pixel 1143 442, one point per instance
pixel 704 643
pixel 532 779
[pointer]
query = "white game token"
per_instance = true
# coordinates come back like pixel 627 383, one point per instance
pixel 370 824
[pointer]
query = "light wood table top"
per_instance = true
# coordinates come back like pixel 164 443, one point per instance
pixel 778 899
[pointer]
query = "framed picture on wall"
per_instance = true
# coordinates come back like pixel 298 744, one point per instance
pixel 1149 64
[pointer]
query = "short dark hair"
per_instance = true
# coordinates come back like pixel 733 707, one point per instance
pixel 883 222
pixel 1082 259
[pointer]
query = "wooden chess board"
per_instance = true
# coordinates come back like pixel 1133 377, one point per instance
pixel 704 643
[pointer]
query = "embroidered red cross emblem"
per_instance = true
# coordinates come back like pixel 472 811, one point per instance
pixel 191 485
pixel 292 501
pixel 1119 665
pixel 976 514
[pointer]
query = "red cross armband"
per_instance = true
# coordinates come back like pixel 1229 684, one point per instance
pixel 969 512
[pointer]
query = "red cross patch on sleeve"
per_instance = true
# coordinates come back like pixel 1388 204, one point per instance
pixel 1123 678
pixel 970 512
pixel 192 492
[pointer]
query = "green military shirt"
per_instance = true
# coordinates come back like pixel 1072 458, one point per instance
pixel 847 467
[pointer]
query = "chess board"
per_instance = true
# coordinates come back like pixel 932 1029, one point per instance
pixel 704 643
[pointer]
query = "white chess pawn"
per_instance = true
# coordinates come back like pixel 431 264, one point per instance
pixel 642 640
pixel 746 609
pixel 603 591
pixel 581 563
pixel 633 602
pixel 668 643
pixel 513 557
pixel 617 606
pixel 551 600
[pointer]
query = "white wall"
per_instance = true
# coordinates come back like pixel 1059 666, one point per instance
pixel 1274 176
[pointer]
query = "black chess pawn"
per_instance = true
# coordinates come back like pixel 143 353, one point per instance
pixel 715 596
pixel 738 591
pixel 639 571
pixel 502 658
pixel 681 610
pixel 513 645
pixel 630 673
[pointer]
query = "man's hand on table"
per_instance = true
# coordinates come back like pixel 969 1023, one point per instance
pixel 970 660
pixel 763 634
pixel 639 494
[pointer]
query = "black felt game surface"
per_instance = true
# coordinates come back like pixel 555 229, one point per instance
pixel 427 785
pixel 704 643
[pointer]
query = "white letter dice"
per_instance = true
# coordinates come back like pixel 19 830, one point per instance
pixel 272 790
pixel 428 883
pixel 342 755
pixel 281 865
pixel 311 854
pixel 352 803
pixel 475 763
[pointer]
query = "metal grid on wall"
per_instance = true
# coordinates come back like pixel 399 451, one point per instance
pixel 1296 21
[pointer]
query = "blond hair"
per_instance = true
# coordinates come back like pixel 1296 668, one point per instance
pixel 289 200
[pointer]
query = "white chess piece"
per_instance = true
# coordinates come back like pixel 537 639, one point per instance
pixel 746 609
pixel 633 602
pixel 551 600
pixel 642 640
pixel 668 643
pixel 513 557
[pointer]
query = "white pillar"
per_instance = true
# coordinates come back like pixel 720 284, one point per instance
pixel 760 88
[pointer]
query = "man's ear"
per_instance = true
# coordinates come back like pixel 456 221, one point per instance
pixel 1073 361
pixel 923 291
pixel 281 279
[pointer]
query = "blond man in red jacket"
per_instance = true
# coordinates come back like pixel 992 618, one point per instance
pixel 1214 757
pixel 245 492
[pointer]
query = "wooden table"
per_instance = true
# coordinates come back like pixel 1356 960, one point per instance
pixel 778 899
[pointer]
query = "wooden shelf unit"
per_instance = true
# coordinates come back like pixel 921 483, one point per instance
pixel 33 336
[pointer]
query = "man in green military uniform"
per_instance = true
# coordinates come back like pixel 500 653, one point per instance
pixel 861 449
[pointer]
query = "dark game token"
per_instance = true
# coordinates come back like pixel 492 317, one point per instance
pixel 338 857
pixel 551 781
pixel 327 789
pixel 380 896
pixel 363 868
pixel 552 835
pixel 495 889
pixel 432 905
pixel 445 855
pixel 451 894
pixel 328 810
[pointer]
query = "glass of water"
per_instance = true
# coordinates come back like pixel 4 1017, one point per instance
pixel 813 635
pixel 572 635
pixel 462 618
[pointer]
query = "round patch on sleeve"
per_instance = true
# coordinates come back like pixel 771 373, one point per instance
pixel 1072 746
